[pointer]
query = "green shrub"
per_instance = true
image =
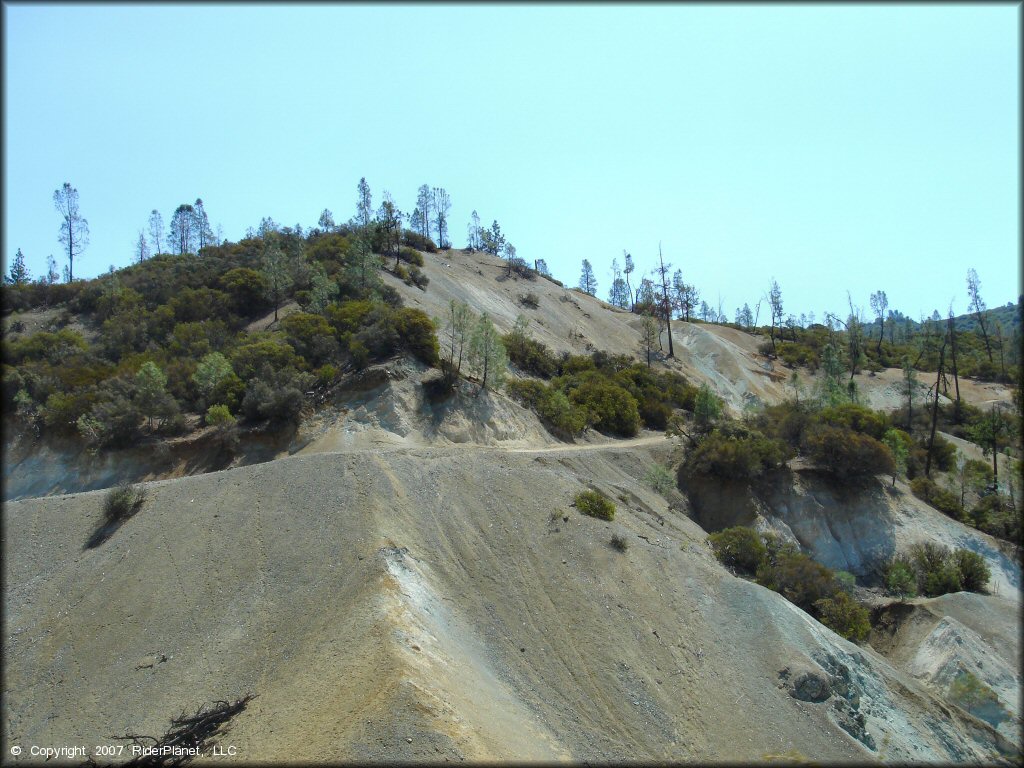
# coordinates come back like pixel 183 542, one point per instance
pixel 618 543
pixel 847 581
pixel 857 418
pixel 900 578
pixel 974 571
pixel 417 333
pixel 844 616
pixel 734 453
pixel 937 572
pixel 609 407
pixel 414 239
pixel 219 416
pixel 799 579
pixel 654 413
pixel 410 256
pixel 401 273
pixel 845 454
pixel 931 493
pixel 122 502
pixel 739 548
pixel 560 415
pixel 595 504
pixel 530 355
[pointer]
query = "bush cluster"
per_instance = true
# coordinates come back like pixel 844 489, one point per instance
pixel 932 569
pixel 612 394
pixel 734 452
pixel 180 323
pixel 781 567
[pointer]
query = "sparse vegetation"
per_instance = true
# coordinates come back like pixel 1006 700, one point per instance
pixel 618 543
pixel 595 504
pixel 659 477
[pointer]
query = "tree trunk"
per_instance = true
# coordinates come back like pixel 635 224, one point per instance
pixel 935 411
pixel 956 378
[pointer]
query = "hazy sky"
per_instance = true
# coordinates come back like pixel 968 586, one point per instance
pixel 833 147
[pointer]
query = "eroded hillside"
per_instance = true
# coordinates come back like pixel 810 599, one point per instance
pixel 430 603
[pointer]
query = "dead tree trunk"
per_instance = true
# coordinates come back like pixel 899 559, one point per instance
pixel 935 410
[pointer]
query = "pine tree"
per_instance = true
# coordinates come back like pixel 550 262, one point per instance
pixel 588 283
pixel 19 272
pixel 74 229
pixel 364 205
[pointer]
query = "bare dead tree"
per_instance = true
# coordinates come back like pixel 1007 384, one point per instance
pixel 662 271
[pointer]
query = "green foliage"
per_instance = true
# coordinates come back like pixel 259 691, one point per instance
pixel 411 256
pixel 900 577
pixel 659 477
pixel 857 418
pixel 276 396
pixel 940 570
pixel 609 407
pixel 418 334
pixel 122 502
pixel 219 416
pixel 844 616
pixel 735 453
pixel 487 353
pixel 246 289
pixel 113 420
pixel 260 349
pixel 931 493
pixel 798 578
pixel 974 571
pixel 899 444
pixel 216 381
pixel 739 548
pixel 707 408
pixel 529 354
pixel 846 580
pixel 420 242
pixel 311 336
pixel 595 504
pixel 845 454
pixel 970 693
pixel 418 278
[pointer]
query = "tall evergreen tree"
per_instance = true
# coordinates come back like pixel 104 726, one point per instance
pixel 424 206
pixel 364 205
pixel 588 283
pixel 19 272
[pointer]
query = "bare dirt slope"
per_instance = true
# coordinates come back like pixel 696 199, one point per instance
pixel 432 603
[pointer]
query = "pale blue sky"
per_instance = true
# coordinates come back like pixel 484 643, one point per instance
pixel 833 147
